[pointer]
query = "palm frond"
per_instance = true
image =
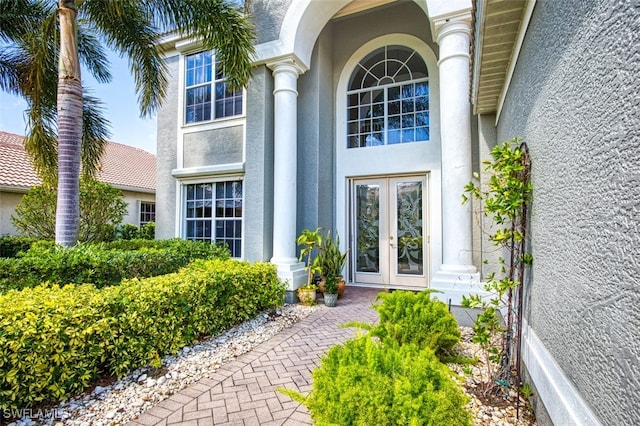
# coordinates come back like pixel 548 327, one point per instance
pixel 41 142
pixel 18 17
pixel 127 26
pixel 221 26
pixel 92 54
pixel 9 75
pixel 95 131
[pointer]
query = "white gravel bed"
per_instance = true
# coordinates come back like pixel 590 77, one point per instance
pixel 130 396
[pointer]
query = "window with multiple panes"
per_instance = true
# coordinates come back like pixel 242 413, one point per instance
pixel 147 212
pixel 214 213
pixel 388 99
pixel 207 95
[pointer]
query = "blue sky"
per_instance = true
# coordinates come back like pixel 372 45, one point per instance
pixel 120 104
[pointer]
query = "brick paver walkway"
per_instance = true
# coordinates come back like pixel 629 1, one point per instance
pixel 242 392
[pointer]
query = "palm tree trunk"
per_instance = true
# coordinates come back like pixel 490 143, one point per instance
pixel 69 127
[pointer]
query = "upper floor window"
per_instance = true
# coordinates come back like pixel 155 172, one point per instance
pixel 207 94
pixel 388 99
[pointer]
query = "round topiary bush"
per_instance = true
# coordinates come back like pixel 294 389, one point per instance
pixel 416 317
pixel 366 382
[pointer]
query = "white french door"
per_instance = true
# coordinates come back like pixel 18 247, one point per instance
pixel 390 238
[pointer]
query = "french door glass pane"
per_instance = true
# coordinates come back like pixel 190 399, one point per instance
pixel 410 257
pixel 368 228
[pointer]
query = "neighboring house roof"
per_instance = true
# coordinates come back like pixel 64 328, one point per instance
pixel 122 166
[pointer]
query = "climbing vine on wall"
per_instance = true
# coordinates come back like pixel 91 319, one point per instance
pixel 505 198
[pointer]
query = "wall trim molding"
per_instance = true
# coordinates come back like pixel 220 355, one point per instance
pixel 561 399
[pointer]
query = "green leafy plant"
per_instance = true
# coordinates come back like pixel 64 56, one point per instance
pixel 127 231
pixel 505 199
pixel 148 231
pixel 367 382
pixel 330 259
pixel 310 241
pixel 331 284
pixel 102 208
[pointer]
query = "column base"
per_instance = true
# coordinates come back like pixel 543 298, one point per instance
pixel 292 274
pixel 454 281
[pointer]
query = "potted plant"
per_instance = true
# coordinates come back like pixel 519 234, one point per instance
pixel 307 294
pixel 331 260
pixel 309 240
pixel 331 290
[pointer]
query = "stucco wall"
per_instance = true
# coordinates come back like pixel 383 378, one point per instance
pixel 267 16
pixel 8 203
pixel 167 156
pixel 213 147
pixel 133 205
pixel 352 32
pixel 575 99
pixel 258 183
pixel 316 192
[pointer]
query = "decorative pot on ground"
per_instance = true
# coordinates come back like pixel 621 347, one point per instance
pixel 331 290
pixel 342 284
pixel 307 294
pixel 330 299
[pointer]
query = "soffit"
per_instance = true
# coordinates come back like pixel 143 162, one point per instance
pixel 497 27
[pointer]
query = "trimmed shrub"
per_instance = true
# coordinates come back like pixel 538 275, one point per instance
pixel 11 245
pixel 54 341
pixel 416 317
pixel 127 231
pixel 148 231
pixel 102 264
pixel 367 382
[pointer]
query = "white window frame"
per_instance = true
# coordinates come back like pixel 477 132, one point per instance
pixel 140 212
pixel 213 181
pixel 212 83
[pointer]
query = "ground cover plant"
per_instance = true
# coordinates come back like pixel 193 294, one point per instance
pixel 391 375
pixel 54 341
pixel 101 264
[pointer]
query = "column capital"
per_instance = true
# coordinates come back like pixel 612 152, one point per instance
pixel 459 22
pixel 288 64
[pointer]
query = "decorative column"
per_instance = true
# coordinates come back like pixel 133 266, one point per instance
pixel 285 75
pixel 457 274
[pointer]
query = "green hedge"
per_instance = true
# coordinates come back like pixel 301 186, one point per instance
pixel 11 245
pixel 101 264
pixel 55 341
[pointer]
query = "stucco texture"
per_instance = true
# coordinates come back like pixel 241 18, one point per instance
pixel 167 156
pixel 267 18
pixel 575 100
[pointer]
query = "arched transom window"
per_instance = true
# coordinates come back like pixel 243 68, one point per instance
pixel 388 99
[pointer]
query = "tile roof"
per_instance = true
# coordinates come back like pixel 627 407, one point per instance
pixel 122 166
